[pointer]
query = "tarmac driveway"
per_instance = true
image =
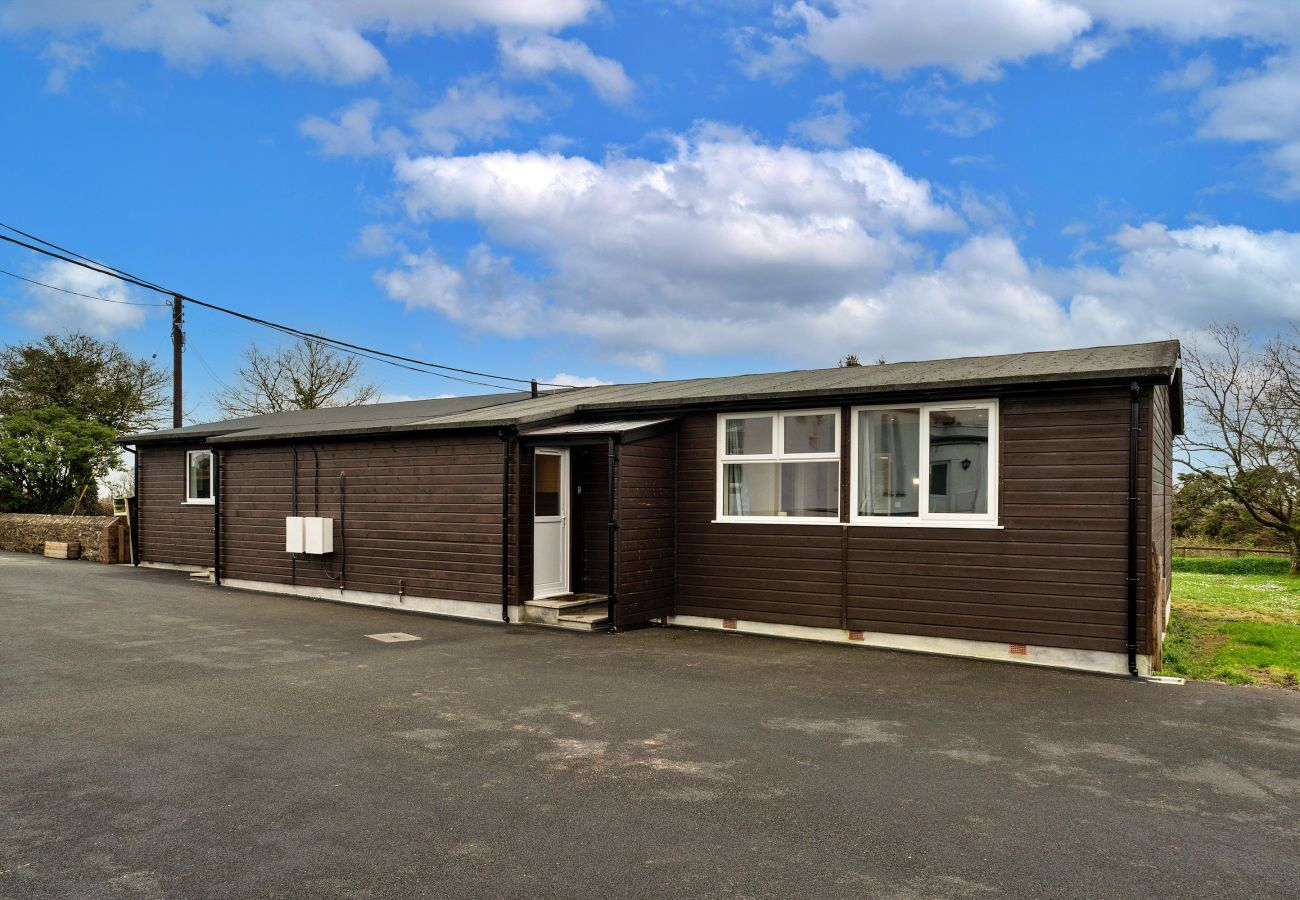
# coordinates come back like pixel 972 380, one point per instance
pixel 163 739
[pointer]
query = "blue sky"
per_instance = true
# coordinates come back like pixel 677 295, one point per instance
pixel 632 191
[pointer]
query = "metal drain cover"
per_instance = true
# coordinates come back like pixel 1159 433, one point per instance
pixel 393 637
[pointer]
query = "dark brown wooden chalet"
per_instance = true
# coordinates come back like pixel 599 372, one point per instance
pixel 1009 507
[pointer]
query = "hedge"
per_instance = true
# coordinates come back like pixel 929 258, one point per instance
pixel 1240 565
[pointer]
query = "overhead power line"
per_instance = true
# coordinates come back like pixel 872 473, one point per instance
pixel 78 293
pixel 394 359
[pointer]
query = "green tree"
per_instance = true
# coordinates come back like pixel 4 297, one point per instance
pixel 63 401
pixel 49 457
pixel 95 380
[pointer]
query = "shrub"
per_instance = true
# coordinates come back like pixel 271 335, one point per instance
pixel 1242 565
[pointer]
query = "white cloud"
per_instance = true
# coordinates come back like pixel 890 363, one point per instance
pixel 1088 50
pixel 973 38
pixel 350 133
pixel 320 38
pixel 724 228
pixel 1255 105
pixel 568 380
pixel 487 293
pixel 976 39
pixel 945 113
pixel 723 222
pixel 732 247
pixel 1188 21
pixel 65 58
pixel 534 55
pixel 54 311
pixel 473 111
pixel 1197 73
pixel 1260 106
pixel 830 125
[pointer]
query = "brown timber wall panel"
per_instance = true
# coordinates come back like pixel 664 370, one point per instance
pixel 171 531
pixel 646 497
pixel 524 584
pixel 1162 500
pixel 1053 575
pixel 423 511
pixel 765 573
pixel 591 543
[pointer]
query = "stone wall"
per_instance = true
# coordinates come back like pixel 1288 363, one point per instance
pixel 102 538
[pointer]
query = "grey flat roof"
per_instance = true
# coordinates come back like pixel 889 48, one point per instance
pixel 1092 364
pixel 1150 361
pixel 310 422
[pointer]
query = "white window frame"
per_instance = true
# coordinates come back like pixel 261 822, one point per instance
pixel 199 501
pixel 777 455
pixel 925 518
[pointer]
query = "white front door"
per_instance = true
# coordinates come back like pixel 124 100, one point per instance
pixel 550 523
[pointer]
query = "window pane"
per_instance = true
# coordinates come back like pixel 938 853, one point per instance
pixel 546 484
pixel 750 489
pixel 959 446
pixel 810 434
pixel 200 476
pixel 889 462
pixel 749 436
pixel 810 489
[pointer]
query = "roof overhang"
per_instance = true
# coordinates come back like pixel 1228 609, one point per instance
pixel 626 430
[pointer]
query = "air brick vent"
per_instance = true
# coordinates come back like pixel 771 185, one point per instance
pixel 1018 649
pixel 857 635
pixel 728 623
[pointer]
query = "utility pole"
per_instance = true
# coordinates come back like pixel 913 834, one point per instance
pixel 178 344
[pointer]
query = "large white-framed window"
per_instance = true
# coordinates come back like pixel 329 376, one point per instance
pixel 922 464
pixel 779 466
pixel 198 476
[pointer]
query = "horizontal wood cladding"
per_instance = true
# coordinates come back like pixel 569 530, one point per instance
pixel 418 515
pixel 646 509
pixel 1159 573
pixel 590 551
pixel 171 531
pixel 1054 574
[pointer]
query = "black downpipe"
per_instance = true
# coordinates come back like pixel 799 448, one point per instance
pixel 613 540
pixel 505 526
pixel 134 501
pixel 216 516
pixel 1133 431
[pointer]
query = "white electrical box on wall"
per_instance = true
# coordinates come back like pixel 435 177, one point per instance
pixel 317 536
pixel 293 534
pixel 311 535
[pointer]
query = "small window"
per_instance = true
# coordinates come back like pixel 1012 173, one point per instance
pixel 198 478
pixel 547 484
pixel 926 464
pixel 779 466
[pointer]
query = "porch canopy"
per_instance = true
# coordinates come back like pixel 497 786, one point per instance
pixel 637 509
pixel 626 430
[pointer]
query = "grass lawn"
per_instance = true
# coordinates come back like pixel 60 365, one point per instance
pixel 1235 620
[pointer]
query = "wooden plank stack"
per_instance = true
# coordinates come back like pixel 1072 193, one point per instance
pixel 63 549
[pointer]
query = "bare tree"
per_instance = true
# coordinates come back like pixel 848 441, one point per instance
pixel 1244 425
pixel 306 375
